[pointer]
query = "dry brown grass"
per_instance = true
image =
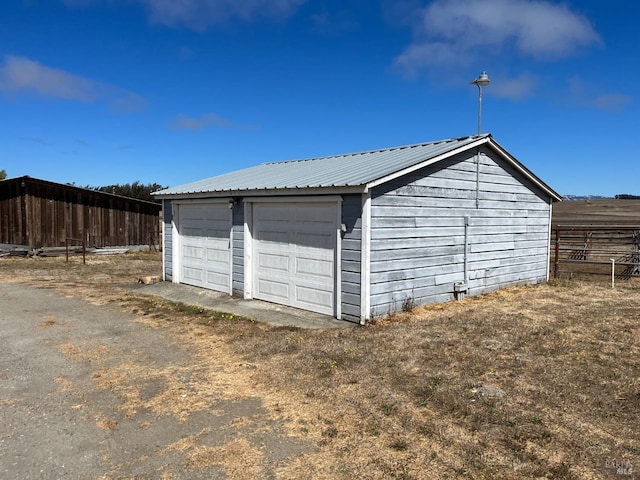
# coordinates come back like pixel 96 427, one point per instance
pixel 598 211
pixel 238 458
pixel 529 382
pixel 65 384
pixel 94 354
pixel 556 363
pixel 107 425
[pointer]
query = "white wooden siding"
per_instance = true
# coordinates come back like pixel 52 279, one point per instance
pixel 418 228
pixel 167 240
pixel 351 218
pixel 237 252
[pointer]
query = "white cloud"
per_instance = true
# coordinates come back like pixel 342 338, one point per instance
pixel 450 32
pixel 121 101
pixel 19 75
pixel 38 140
pixel 200 14
pixel 424 56
pixel 22 74
pixel 333 22
pixel 612 101
pixel 587 95
pixel 78 3
pixel 514 88
pixel 185 53
pixel 182 122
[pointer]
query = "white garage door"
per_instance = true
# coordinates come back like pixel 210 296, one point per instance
pixel 294 254
pixel 205 253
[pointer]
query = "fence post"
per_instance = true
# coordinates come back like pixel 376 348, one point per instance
pixel 556 265
pixel 613 272
pixel 84 248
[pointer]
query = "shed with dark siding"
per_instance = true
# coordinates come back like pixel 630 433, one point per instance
pixel 40 213
pixel 360 235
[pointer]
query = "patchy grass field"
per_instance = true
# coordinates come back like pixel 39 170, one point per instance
pixel 529 382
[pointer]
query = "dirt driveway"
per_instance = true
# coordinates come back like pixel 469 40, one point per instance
pixel 88 391
pixel 98 381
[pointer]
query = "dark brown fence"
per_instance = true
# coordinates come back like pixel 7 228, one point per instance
pixel 43 214
pixel 596 250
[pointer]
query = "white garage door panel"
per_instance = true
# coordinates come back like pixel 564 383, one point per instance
pixel 275 237
pixel 294 254
pixel 192 275
pixel 272 261
pixel 219 255
pixel 314 267
pixel 205 231
pixel 276 291
pixel 192 252
pixel 219 279
pixel 310 297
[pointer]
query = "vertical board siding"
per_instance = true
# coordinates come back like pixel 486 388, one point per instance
pixel 12 225
pixel 237 280
pixel 351 241
pixel 43 214
pixel 418 232
pixel 167 233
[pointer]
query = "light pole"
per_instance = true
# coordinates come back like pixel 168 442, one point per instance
pixel 481 81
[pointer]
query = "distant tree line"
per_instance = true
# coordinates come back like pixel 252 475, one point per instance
pixel 132 190
pixel 3 174
pixel 626 196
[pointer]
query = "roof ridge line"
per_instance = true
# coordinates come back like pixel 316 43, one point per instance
pixel 378 150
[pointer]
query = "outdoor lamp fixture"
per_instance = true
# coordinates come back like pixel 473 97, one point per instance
pixel 481 81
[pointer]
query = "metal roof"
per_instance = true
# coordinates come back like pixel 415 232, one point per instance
pixel 347 170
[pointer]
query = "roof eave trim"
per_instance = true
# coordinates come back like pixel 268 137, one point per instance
pixel 425 163
pixel 67 186
pixel 264 192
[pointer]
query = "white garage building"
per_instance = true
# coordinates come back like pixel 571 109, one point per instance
pixel 356 235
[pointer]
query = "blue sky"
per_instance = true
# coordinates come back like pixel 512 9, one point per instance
pixel 96 92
